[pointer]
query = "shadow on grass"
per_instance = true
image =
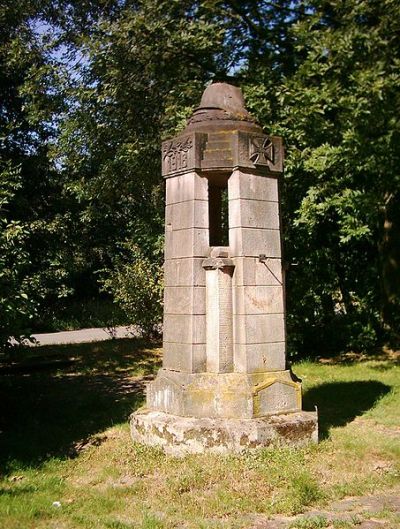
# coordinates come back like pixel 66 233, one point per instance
pixel 50 408
pixel 341 402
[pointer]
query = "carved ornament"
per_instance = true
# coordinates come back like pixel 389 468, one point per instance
pixel 261 150
pixel 176 154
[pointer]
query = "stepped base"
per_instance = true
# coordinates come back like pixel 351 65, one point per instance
pixel 190 435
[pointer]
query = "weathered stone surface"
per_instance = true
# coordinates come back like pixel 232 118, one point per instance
pixel 218 263
pixel 259 328
pixel 278 397
pixel 252 186
pixel 260 357
pixel 249 271
pixel 269 271
pixel 185 328
pixel 221 108
pixel 184 300
pixel 188 214
pixel 225 97
pixel 253 242
pixel 188 186
pixel 258 300
pixel 192 242
pixel 219 251
pixel 253 213
pixel 183 357
pixel 200 395
pixel 229 395
pixel 182 435
pixel 184 272
pixel 224 156
pixel 222 113
pixel 226 148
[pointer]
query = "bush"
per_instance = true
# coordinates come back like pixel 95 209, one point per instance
pixel 136 284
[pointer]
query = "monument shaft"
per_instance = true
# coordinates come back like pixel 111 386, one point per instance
pixel 224 384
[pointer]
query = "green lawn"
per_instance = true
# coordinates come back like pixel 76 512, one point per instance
pixel 67 460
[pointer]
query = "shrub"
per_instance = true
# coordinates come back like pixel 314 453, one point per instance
pixel 136 284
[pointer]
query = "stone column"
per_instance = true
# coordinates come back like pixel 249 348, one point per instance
pixel 259 314
pixel 186 245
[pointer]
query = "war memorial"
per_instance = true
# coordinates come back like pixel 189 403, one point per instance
pixel 225 385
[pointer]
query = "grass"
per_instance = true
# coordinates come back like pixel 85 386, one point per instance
pixel 314 522
pixel 67 460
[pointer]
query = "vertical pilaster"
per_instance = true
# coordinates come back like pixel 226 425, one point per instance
pixel 219 330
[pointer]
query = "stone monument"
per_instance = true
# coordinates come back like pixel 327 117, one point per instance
pixel 224 385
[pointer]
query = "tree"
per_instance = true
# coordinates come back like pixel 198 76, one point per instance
pixel 90 88
pixel 142 73
pixel 33 216
pixel 339 117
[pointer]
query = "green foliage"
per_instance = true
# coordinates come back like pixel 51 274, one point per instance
pixel 151 522
pixel 310 522
pixel 32 231
pixel 341 186
pixel 136 284
pixel 89 89
pixel 305 490
pixel 17 305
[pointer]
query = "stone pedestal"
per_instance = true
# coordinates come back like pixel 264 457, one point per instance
pixel 224 385
pixel 178 435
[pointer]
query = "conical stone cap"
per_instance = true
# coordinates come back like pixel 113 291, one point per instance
pixel 226 97
pixel 222 107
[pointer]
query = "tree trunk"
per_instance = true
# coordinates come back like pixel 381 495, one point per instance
pixel 389 252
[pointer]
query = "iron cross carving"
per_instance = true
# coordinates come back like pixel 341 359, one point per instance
pixel 261 150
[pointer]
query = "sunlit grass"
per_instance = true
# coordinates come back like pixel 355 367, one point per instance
pixel 68 461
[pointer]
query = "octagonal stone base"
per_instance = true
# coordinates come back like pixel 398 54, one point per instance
pixel 224 395
pixel 183 435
